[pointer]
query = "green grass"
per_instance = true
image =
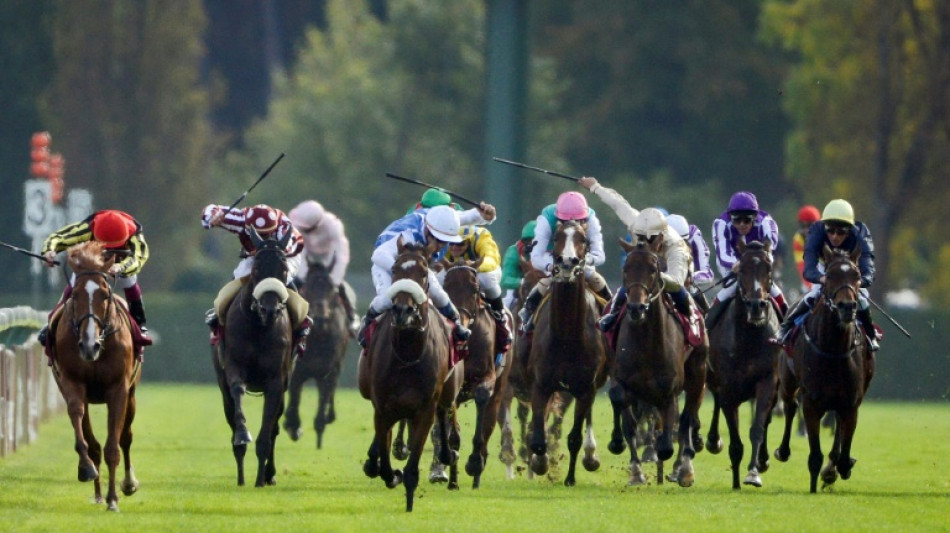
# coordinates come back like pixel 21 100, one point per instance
pixel 183 460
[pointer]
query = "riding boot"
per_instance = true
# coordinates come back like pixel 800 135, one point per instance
pixel 503 340
pixel 301 334
pixel 868 325
pixel 799 309
pixel 715 313
pixel 605 293
pixel 43 335
pixel 681 301
pixel 371 315
pixel 212 321
pixel 352 319
pixel 607 322
pixel 137 310
pixel 699 299
pixel 526 313
pixel 459 332
pixel 782 305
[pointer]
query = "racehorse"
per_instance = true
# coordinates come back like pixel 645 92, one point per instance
pixel 743 363
pixel 484 382
pixel 653 364
pixel 832 365
pixel 256 355
pixel 568 352
pixel 406 372
pixel 94 362
pixel 323 357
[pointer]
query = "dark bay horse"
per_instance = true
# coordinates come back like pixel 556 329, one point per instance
pixel 406 373
pixel 653 364
pixel 256 355
pixel 832 366
pixel 94 363
pixel 568 352
pixel 323 358
pixel 743 363
pixel 484 382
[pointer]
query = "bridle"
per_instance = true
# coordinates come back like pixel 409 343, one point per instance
pixel 106 327
pixel 653 290
pixel 561 271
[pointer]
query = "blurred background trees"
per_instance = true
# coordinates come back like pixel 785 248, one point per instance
pixel 162 107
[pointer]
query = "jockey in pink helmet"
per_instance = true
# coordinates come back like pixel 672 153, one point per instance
pixel 570 205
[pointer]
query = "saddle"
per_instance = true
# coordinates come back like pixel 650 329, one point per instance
pixel 693 331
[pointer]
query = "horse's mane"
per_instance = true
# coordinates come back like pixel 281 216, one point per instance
pixel 414 247
pixel 87 257
pixel 755 246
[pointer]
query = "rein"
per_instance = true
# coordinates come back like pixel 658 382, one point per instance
pixel 104 324
pixel 658 279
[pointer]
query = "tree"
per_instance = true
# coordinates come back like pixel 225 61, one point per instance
pixel 870 105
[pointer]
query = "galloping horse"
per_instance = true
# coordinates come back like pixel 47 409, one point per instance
pixel 832 365
pixel 653 364
pixel 406 372
pixel 256 355
pixel 742 362
pixel 483 382
pixel 323 358
pixel 93 362
pixel 568 352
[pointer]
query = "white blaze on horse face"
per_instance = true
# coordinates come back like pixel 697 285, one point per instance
pixel 90 336
pixel 408 264
pixel 845 268
pixel 569 252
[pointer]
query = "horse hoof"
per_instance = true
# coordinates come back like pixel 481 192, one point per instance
pixel 438 475
pixel 242 436
pixel 616 447
pixel 648 455
pixel 714 447
pixel 539 464
pixel 828 475
pixel 782 455
pixel 87 472
pixel 453 486
pixel 396 480
pixel 401 452
pixel 129 487
pixel 113 506
pixel 752 478
pixel 371 469
pixel 474 466
pixel 294 434
pixel 591 464
pixel 763 467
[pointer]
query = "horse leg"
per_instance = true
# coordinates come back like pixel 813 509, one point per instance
pixel 789 392
pixel 238 450
pixel 273 406
pixel 713 440
pixel 371 466
pixel 538 441
pixel 582 406
pixel 129 483
pixel 664 445
pixel 321 419
pixel 629 426
pixel 647 429
pixel 476 462
pixel 618 403
pixel 241 433
pixel 736 448
pixel 440 439
pixel 507 453
pixel 828 473
pixel 270 472
pixel 812 427
pixel 524 451
pixel 694 380
pixel 764 401
pixel 846 426
pixel 418 432
pixel 117 402
pixel 94 452
pixel 292 417
pixel 384 434
pixel 76 408
pixel 451 451
pixel 591 462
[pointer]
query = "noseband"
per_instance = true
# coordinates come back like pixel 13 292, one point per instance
pixel 105 326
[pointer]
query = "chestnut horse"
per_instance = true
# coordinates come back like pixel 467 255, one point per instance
pixel 832 365
pixel 256 355
pixel 323 357
pixel 568 352
pixel 406 372
pixel 653 364
pixel 743 363
pixel 93 362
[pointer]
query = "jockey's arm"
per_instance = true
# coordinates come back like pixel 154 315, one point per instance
pixel 487 249
pixel 385 255
pixel 340 247
pixel 595 238
pixel 540 256
pixel 139 252
pixel 625 212
pixel 725 257
pixel 678 259
pixel 511 269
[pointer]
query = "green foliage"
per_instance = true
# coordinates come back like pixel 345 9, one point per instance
pixel 183 460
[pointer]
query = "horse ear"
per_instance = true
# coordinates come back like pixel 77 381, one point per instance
pixel 477 263
pixel 400 246
pixel 856 254
pixel 768 247
pixel 626 245
pixel 256 239
pixel 285 239
pixel 827 253
pixel 740 244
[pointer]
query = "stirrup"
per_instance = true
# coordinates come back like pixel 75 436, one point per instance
pixel 606 322
pixel 43 336
pixel 211 318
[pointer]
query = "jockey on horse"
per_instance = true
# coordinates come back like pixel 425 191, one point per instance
pixel 325 243
pixel 742 219
pixel 511 270
pixel 838 230
pixel 478 244
pixel 651 227
pixel 570 206
pixel 700 273
pixel 117 231
pixel 807 216
pixel 432 228
pixel 266 221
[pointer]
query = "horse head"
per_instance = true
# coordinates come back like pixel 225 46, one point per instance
pixel 268 277
pixel 569 252
pixel 754 280
pixel 842 283
pixel 461 284
pixel 321 292
pixel 92 299
pixel 641 278
pixel 410 289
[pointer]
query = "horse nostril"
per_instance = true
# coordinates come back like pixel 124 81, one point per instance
pixel 575 260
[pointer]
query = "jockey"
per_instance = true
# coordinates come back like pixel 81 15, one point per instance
pixel 648 226
pixel 743 220
pixel 267 221
pixel 433 197
pixel 478 243
pixel 807 216
pixel 511 272
pixel 701 275
pixel 839 231
pixel 117 231
pixel 433 228
pixel 570 206
pixel 325 243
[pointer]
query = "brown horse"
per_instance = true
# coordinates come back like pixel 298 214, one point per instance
pixel 256 355
pixel 93 362
pixel 323 358
pixel 406 372
pixel 832 365
pixel 484 382
pixel 568 352
pixel 653 364
pixel 743 363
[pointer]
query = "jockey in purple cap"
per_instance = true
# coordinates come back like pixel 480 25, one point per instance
pixel 742 220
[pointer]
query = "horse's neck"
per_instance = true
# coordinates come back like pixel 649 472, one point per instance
pixel 827 334
pixel 570 301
